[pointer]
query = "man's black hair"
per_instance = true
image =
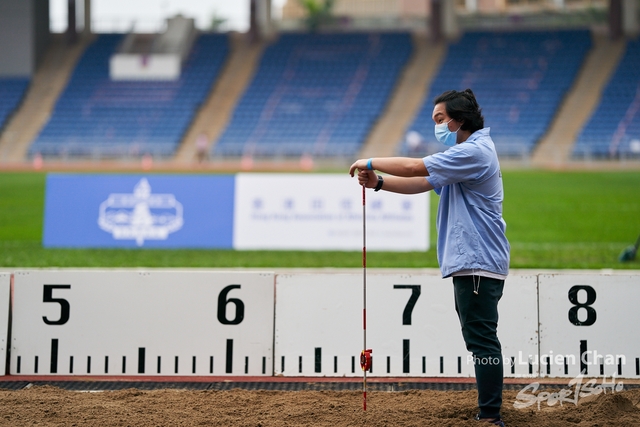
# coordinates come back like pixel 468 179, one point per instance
pixel 462 107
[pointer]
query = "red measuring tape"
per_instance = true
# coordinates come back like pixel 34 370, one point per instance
pixel 365 356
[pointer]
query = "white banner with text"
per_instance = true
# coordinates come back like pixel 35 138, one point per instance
pixel 324 212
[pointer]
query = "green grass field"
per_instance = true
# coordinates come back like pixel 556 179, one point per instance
pixel 555 220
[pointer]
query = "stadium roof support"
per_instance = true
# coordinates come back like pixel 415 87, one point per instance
pixel 615 18
pixel 87 17
pixel 72 18
pixel 623 18
pixel 443 20
pixel 260 24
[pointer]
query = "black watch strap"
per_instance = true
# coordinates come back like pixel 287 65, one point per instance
pixel 379 185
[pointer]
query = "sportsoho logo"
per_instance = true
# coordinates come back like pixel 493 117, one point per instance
pixel 140 215
pixel 529 395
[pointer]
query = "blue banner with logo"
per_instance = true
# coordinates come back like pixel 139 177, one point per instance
pixel 139 211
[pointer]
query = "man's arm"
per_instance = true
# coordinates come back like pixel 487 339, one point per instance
pixel 412 185
pixel 397 166
pixel 395 184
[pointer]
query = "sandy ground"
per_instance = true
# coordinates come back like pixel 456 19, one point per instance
pixel 50 406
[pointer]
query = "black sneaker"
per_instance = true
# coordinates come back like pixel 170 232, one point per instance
pixel 494 422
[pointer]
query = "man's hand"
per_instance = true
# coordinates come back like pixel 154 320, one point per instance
pixel 366 177
pixel 360 165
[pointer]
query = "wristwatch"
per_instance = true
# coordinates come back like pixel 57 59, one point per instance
pixel 379 185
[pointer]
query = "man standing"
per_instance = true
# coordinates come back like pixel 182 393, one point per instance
pixel 472 245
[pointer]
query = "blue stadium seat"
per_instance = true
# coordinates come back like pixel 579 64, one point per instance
pixel 12 90
pixel 96 116
pixel 316 94
pixel 519 79
pixel 614 128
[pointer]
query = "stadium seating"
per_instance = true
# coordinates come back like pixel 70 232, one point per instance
pixel 98 117
pixel 519 79
pixel 12 90
pixel 614 128
pixel 316 94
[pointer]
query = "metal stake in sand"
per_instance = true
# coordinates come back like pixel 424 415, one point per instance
pixel 365 356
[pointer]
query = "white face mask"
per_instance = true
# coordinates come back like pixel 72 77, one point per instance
pixel 444 135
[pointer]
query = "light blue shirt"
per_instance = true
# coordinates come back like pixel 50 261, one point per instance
pixel 471 231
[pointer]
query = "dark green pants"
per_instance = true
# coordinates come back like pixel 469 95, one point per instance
pixel 479 320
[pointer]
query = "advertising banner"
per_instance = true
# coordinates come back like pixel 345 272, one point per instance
pixel 150 211
pixel 324 212
pixel 245 211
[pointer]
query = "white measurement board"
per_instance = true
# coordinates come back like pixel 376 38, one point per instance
pixel 142 323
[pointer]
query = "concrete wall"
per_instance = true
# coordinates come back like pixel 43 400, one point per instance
pixel 24 35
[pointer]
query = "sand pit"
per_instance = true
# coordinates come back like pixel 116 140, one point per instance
pixel 51 406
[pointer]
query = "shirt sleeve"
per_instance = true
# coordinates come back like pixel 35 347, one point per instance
pixel 460 163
